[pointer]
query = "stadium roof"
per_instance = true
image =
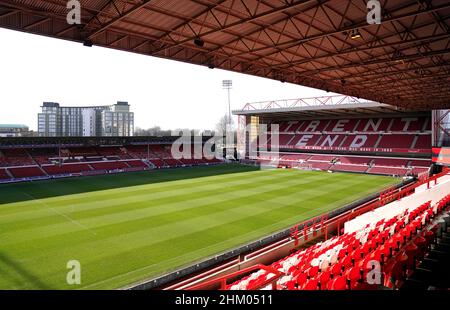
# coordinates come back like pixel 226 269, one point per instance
pixel 322 44
pixel 323 107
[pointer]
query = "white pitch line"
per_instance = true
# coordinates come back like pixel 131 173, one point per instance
pixel 61 214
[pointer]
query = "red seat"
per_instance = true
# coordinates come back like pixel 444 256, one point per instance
pixel 384 252
pixel 291 285
pixel 411 251
pixel 348 262
pixel 377 256
pixel 310 285
pixel 420 242
pixel 324 278
pixel 301 279
pixel 394 270
pixel 407 231
pixel 336 269
pixel 339 283
pixel 398 240
pixel 354 276
pixel 312 272
pixel 342 253
pixel 429 236
pixel 357 254
pixel 292 269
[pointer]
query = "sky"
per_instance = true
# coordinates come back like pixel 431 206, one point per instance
pixel 164 93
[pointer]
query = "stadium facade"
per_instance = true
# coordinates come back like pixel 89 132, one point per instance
pixel 106 121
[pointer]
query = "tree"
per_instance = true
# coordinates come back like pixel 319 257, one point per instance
pixel 221 129
pixel 221 126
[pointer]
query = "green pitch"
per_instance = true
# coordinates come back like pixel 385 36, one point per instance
pixel 129 227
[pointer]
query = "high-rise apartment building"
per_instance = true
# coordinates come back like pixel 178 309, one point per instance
pixel 113 120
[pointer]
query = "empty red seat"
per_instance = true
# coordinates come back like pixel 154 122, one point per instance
pixel 376 255
pixel 348 262
pixel 301 279
pixel 310 285
pixel 336 269
pixel 354 274
pixel 420 242
pixel 411 251
pixel 339 283
pixel 323 279
pixel 312 272
pixel 291 285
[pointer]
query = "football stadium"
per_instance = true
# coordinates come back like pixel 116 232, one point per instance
pixel 338 192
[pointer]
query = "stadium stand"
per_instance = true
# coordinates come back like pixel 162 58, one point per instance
pixel 34 162
pixel 15 157
pixel 349 168
pixel 42 155
pixel 26 172
pixel 295 157
pixel 393 133
pixel 388 170
pixel 136 163
pixel 396 141
pixel 113 152
pixel 66 169
pixel 358 164
pixel 343 262
pixel 399 146
pixel 4 175
pixel 109 165
pixel 423 142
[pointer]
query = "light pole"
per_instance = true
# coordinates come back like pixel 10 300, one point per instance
pixel 228 84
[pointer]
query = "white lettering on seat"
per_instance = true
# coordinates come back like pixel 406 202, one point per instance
pixel 330 141
pixel 359 141
pixel 340 125
pixel 304 140
pixel 291 123
pixel 408 122
pixel 371 123
pixel 312 126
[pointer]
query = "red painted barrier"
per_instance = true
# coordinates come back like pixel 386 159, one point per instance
pixel 223 280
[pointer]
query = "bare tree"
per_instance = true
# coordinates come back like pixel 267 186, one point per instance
pixel 221 126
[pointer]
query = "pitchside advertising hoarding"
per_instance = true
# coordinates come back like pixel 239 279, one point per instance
pixel 441 156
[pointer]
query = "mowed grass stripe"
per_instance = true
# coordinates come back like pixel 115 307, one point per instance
pixel 146 241
pixel 219 232
pixel 130 220
pixel 160 214
pixel 167 204
pixel 115 193
pixel 185 228
pixel 86 187
pixel 72 206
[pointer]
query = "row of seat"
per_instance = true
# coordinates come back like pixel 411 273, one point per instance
pixel 417 124
pixel 374 165
pixel 34 171
pixel 342 141
pixel 42 156
pixel 385 250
